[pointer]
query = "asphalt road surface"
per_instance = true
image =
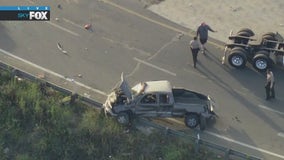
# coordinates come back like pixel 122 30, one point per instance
pixel 127 38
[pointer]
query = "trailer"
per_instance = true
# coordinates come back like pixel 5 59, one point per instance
pixel 262 53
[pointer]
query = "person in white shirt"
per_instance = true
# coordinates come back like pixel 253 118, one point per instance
pixel 194 46
pixel 269 86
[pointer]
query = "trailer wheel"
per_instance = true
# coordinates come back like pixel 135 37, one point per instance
pixel 272 34
pixel 123 118
pixel 191 120
pixel 239 49
pixel 260 61
pixel 237 58
pixel 269 44
pixel 245 34
pixel 247 31
pixel 242 40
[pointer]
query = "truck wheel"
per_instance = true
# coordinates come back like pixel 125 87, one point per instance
pixel 260 61
pixel 123 118
pixel 191 120
pixel 237 59
pixel 247 31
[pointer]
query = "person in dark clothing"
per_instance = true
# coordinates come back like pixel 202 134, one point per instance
pixel 269 85
pixel 194 46
pixel 202 33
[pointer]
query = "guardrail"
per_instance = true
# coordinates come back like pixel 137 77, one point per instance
pixel 198 142
pixel 227 151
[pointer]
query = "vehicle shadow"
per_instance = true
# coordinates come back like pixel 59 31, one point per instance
pixel 254 85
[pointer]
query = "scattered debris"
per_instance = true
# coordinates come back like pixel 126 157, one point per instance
pixel 87 95
pixel 180 35
pixel 87 26
pixel 79 76
pixel 41 76
pixel 59 6
pixel 237 119
pixel 59 46
pixel 236 9
pixel 69 79
pixel 57 19
pixel 18 78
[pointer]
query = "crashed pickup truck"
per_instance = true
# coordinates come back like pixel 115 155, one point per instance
pixel 157 99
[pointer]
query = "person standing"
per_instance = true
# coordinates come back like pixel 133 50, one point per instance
pixel 194 46
pixel 202 33
pixel 269 86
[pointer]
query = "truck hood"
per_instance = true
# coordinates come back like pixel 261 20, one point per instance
pixel 125 87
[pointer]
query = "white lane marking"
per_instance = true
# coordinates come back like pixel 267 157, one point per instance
pixel 280 135
pixel 245 145
pixel 269 109
pixel 238 142
pixel 51 72
pixel 62 28
pixel 71 22
pixel 154 66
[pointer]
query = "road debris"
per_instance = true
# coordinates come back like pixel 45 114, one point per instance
pixel 180 35
pixel 59 46
pixel 59 6
pixel 70 79
pixel 87 26
pixel 79 76
pixel 87 95
pixel 41 76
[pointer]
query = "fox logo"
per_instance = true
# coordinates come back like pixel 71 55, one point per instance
pixel 39 15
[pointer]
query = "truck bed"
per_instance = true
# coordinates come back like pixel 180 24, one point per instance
pixel 186 96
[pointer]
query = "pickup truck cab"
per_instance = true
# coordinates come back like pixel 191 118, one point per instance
pixel 158 99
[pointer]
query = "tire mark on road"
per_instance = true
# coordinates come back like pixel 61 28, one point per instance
pixel 154 66
pixel 195 73
pixel 174 39
pixel 125 45
pixel 134 70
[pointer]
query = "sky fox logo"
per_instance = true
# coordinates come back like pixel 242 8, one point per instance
pixel 38 15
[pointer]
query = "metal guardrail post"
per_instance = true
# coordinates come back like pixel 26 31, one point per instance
pixel 227 154
pixel 166 130
pixel 197 144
